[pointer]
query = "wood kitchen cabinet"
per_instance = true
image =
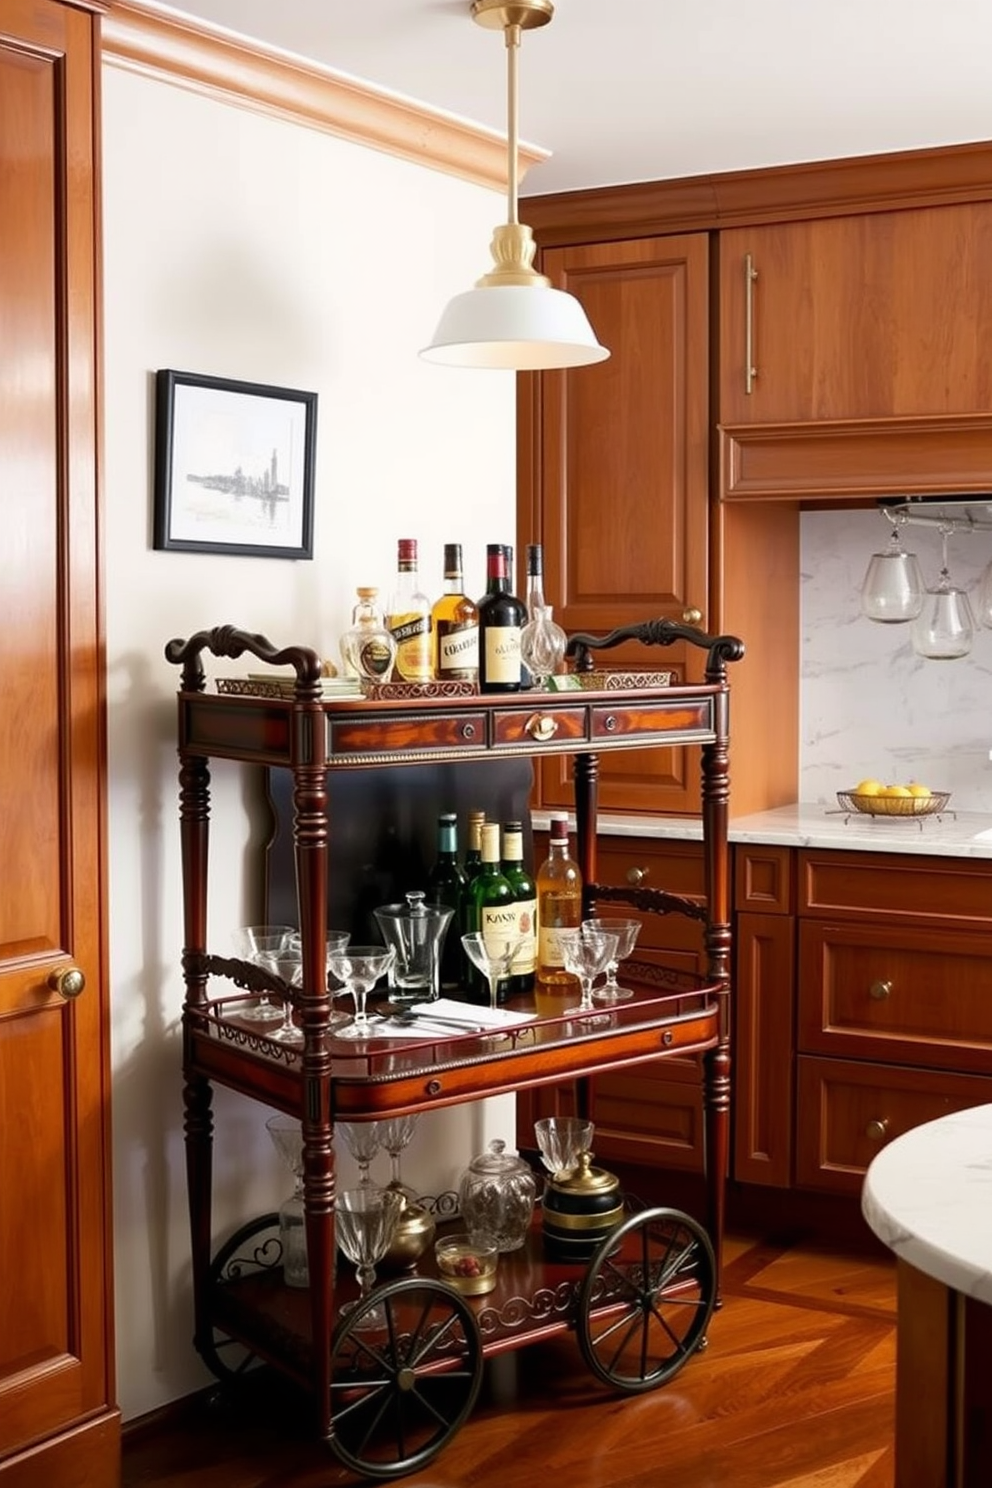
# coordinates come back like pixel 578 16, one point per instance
pixel 614 479
pixel 59 1425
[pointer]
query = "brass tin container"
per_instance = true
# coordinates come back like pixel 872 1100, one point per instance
pixel 579 1211
pixel 413 1237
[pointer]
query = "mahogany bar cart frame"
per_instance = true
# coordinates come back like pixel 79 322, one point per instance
pixel 387 1404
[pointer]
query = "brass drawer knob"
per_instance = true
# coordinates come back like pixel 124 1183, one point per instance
pixel 691 616
pixel 636 876
pixel 877 1131
pixel 879 990
pixel 67 982
pixel 541 727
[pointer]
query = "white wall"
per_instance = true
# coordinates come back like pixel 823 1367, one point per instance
pixel 869 705
pixel 242 246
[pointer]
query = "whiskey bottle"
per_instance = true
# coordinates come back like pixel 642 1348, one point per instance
pixel 501 619
pixel 455 625
pixel 559 907
pixel 521 977
pixel 408 617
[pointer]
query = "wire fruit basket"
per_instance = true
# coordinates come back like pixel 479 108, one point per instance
pixel 929 805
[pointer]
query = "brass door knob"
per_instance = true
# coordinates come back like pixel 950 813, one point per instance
pixel 691 616
pixel 636 876
pixel 67 982
pixel 879 990
pixel 877 1131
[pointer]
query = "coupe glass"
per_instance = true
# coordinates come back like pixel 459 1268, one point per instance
pixel 287 1135
pixel 562 1140
pixel 363 1141
pixel 493 956
pixel 336 941
pixel 586 953
pixel 251 942
pixel 287 965
pixel 626 932
pixel 359 968
pixel 365 1221
pixel 893 588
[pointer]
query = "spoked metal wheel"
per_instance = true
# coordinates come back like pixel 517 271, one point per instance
pixel 406 1366
pixel 254 1247
pixel 646 1300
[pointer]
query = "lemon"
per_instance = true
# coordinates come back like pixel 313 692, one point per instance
pixel 923 792
pixel 869 788
pixel 890 791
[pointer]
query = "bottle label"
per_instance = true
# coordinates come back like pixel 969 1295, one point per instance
pixel 549 946
pixel 498 923
pixel 503 654
pixel 375 658
pixel 412 634
pixel 525 960
pixel 457 651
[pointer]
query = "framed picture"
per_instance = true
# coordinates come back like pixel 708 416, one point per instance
pixel 234 465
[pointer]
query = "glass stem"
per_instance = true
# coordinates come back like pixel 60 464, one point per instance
pixel 366 1277
pixel 587 1002
pixel 493 984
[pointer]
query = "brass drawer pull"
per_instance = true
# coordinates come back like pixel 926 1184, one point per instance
pixel 68 983
pixel 877 1131
pixel 468 732
pixel 879 990
pixel 750 370
pixel 636 876
pixel 691 616
pixel 541 727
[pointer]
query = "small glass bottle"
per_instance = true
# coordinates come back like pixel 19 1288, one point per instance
pixel 542 640
pixel 445 885
pixel 559 907
pixel 501 619
pixel 367 648
pixel 455 624
pixel 521 977
pixel 408 617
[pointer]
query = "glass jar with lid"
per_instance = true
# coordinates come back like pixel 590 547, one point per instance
pixel 496 1197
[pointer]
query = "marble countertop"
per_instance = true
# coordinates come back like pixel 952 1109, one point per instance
pixel 961 834
pixel 928 1197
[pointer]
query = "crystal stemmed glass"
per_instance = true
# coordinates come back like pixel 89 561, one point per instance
pixel 944 628
pixel 336 941
pixel 493 955
pixel 365 1221
pixel 586 953
pixel 359 968
pixel 562 1139
pixel 394 1135
pixel 251 942
pixel 287 1135
pixel 287 965
pixel 626 932
pixel 893 588
pixel 363 1140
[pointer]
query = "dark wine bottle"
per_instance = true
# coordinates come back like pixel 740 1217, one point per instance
pixel 501 618
pixel 445 884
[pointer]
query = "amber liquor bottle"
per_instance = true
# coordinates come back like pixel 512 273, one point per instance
pixel 409 617
pixel 455 624
pixel 559 907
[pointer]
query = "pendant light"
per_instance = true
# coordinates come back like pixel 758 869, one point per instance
pixel 514 318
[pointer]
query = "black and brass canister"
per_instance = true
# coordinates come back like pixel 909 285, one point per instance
pixel 579 1210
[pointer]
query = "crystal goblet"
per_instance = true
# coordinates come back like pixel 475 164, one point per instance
pixel 336 940
pixel 287 1135
pixel 491 954
pixel 562 1140
pixel 626 932
pixel 287 965
pixel 586 953
pixel 363 1141
pixel 365 1221
pixel 395 1134
pixel 251 942
pixel 359 968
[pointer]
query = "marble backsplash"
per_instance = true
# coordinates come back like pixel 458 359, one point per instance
pixel 869 706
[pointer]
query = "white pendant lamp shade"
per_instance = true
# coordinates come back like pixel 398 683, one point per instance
pixel 514 318
pixel 521 327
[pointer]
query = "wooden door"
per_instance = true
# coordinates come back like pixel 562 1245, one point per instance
pixel 57 1423
pixel 887 313
pixel 617 486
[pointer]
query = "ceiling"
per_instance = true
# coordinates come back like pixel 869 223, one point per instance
pixel 628 90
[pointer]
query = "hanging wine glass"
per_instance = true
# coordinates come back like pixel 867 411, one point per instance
pixel 983 598
pixel 893 588
pixel 944 628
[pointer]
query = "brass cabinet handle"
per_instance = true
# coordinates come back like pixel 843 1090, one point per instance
pixel 877 1131
pixel 68 982
pixel 692 616
pixel 636 876
pixel 541 727
pixel 750 370
pixel 879 990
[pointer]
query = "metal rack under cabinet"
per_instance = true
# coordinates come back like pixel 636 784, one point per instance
pixel 430 1357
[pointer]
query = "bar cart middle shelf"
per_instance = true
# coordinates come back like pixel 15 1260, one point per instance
pixel 388 1401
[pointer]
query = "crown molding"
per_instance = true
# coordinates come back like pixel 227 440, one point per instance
pixel 173 48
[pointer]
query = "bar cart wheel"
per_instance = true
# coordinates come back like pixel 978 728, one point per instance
pixel 225 1356
pixel 406 1366
pixel 646 1300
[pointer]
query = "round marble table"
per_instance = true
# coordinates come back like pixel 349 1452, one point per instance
pixel 928 1197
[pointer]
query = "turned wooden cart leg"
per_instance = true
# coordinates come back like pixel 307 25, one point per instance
pixel 716 1097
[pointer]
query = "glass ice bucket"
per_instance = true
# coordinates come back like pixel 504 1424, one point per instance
pixel 415 930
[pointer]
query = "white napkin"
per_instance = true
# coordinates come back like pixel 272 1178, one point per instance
pixel 468 1013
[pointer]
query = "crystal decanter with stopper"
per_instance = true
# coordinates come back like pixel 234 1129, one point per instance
pixel 542 640
pixel 367 647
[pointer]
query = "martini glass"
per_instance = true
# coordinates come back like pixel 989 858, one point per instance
pixel 363 1141
pixel 586 953
pixel 492 954
pixel 365 1221
pixel 359 968
pixel 251 943
pixel 562 1140
pixel 287 1136
pixel 626 932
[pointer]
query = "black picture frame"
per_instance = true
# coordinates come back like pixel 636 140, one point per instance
pixel 234 466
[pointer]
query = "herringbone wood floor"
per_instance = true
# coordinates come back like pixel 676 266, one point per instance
pixel 795 1390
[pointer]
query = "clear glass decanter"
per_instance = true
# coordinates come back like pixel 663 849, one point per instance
pixel 542 645
pixel 367 647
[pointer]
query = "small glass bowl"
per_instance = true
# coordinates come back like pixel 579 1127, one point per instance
pixel 469 1265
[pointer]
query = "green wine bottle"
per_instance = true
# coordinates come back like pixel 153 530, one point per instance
pixel 521 978
pixel 490 907
pixel 445 884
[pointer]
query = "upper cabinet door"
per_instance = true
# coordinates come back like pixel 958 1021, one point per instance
pixel 883 315
pixel 620 476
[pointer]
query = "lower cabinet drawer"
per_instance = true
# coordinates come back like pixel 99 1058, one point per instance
pixel 846 1112
pixel 675 866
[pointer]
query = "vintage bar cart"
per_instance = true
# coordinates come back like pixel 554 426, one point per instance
pixel 388 1401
